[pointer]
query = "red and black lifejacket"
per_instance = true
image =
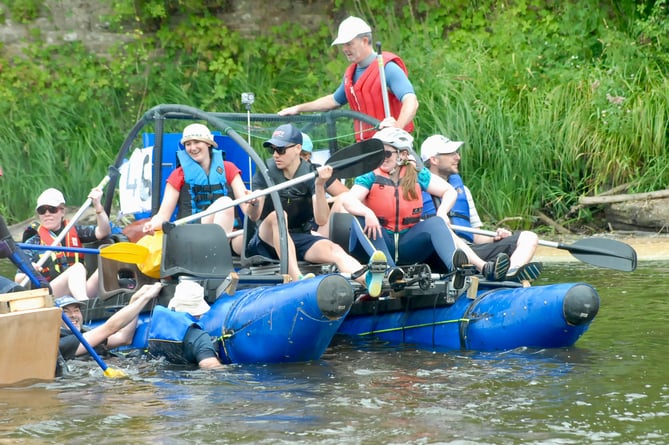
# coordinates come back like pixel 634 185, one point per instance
pixel 386 200
pixel 60 261
pixel 365 95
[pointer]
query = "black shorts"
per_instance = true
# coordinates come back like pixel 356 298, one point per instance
pixel 302 241
pixel 488 251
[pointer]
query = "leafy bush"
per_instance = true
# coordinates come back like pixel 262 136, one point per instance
pixel 555 99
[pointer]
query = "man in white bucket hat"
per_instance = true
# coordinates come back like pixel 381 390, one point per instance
pixel 361 86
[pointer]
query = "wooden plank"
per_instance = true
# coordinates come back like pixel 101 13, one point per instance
pixel 26 300
pixel 29 345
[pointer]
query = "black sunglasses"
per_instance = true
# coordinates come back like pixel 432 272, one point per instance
pixel 51 209
pixel 388 153
pixel 280 150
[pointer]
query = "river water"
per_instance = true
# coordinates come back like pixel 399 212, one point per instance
pixel 610 388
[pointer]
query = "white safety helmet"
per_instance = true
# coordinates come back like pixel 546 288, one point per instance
pixel 198 132
pixel 395 137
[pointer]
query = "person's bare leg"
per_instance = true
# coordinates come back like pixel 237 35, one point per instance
pixel 71 282
pixel 336 207
pixel 224 218
pixel 269 233
pixel 525 248
pixel 92 285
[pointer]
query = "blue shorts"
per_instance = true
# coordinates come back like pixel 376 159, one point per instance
pixel 302 241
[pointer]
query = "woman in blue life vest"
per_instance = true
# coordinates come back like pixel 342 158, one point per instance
pixel 202 181
pixel 389 204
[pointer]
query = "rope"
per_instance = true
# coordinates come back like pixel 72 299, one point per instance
pixel 415 326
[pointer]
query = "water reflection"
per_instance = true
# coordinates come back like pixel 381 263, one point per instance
pixel 610 388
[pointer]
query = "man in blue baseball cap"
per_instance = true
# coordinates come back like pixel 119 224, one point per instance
pixel 304 204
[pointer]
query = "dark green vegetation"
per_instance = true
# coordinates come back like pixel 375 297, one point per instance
pixel 555 99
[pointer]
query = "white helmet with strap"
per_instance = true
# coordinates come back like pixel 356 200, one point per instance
pixel 395 137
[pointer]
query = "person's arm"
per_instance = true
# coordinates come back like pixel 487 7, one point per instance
pixel 167 206
pixel 239 190
pixel 320 202
pixel 103 228
pixel 126 315
pixel 353 203
pixel 400 86
pixel 439 187
pixel 324 103
pixel 254 212
pixel 408 111
pixel 336 188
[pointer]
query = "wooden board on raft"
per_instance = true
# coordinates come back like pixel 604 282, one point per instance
pixel 29 329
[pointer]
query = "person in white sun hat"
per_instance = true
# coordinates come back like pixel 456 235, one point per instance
pixel 65 271
pixel 361 85
pixel 202 181
pixel 188 343
pixel 442 157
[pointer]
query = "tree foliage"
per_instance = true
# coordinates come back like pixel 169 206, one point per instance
pixel 554 99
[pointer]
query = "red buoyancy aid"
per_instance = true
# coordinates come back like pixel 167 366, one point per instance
pixel 365 96
pixel 386 200
pixel 60 260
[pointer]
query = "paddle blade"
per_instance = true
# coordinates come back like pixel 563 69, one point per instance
pixel 114 373
pixel 603 252
pixel 125 253
pixel 357 159
pixel 154 246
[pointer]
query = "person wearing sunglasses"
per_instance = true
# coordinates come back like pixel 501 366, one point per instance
pixel 388 204
pixel 304 204
pixel 66 271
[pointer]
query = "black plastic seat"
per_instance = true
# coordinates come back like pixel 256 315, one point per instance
pixel 199 250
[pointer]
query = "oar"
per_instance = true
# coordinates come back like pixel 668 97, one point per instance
pixel 64 232
pixel 382 80
pixel 601 252
pixel 42 247
pixel 348 162
pixel 351 161
pixel 38 280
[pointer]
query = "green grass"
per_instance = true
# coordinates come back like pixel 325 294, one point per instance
pixel 548 115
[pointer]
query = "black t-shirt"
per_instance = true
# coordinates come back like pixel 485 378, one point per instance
pixel 296 199
pixel 69 343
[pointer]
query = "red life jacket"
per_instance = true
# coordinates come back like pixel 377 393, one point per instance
pixel 59 260
pixel 365 96
pixel 386 200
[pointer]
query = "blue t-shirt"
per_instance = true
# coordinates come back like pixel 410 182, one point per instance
pixel 397 81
